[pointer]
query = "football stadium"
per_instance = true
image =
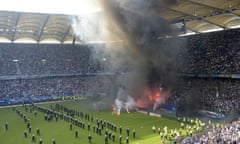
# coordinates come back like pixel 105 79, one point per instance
pixel 120 72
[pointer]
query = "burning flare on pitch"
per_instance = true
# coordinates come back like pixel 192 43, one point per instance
pixel 123 101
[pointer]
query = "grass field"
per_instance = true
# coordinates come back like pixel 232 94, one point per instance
pixel 61 132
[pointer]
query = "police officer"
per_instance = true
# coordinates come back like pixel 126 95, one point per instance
pixel 134 134
pixel 38 131
pixel 120 139
pixel 25 134
pixel 53 141
pixel 89 138
pixel 6 126
pixel 76 133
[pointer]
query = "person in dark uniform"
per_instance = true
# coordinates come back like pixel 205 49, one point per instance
pixel 70 126
pixel 38 131
pixel 28 124
pixel 89 138
pixel 113 137
pixel 25 134
pixel 30 129
pixel 94 129
pixel 40 141
pixel 106 139
pixel 88 127
pixel 109 135
pixel 33 138
pixel 53 141
pixel 99 131
pixel 120 139
pixel 6 126
pixel 76 133
pixel 127 140
pixel 35 114
pixel 128 132
pixel 83 125
pixel 56 117
pixel 45 117
pixel 120 129
pixel 134 134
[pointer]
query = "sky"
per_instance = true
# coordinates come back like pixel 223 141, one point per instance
pixel 70 7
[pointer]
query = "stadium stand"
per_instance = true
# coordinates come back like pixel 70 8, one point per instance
pixel 218 54
pixel 218 95
pixel 29 59
pixel 212 53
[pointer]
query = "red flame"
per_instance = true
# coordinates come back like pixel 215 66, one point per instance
pixel 154 97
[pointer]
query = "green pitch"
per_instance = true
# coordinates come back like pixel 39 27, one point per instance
pixel 60 130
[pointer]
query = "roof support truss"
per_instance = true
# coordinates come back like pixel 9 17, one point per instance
pixel 196 17
pixel 14 30
pixel 42 28
pixel 67 32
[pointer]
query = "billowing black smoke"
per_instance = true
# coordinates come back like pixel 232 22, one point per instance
pixel 147 60
pixel 141 23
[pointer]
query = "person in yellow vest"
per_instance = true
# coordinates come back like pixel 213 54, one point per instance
pixel 153 129
pixel 182 125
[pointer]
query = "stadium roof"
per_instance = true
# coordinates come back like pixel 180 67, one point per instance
pixel 18 25
pixel 204 15
pixel 198 15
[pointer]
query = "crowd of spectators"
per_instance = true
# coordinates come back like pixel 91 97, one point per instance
pixel 230 133
pixel 55 86
pixel 218 95
pixel 35 59
pixel 225 133
pixel 209 53
pixel 212 53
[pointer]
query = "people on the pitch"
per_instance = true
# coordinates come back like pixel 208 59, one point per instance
pixel 6 126
pixel 70 126
pixel 28 124
pixel 120 139
pixel 127 130
pixel 38 131
pixel 40 141
pixel 89 138
pixel 113 137
pixel 53 141
pixel 106 139
pixel 35 114
pixel 76 133
pixel 25 134
pixel 153 129
pixel 120 129
pixel 127 140
pixel 30 129
pixel 33 137
pixel 88 127
pixel 159 130
pixel 134 134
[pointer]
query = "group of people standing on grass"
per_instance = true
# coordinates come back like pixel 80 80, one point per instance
pixel 26 120
pixel 95 125
pixel 101 127
pixel 188 127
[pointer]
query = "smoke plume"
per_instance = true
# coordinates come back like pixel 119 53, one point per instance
pixel 130 31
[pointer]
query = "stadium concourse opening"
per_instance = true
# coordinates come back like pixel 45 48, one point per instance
pixel 120 71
